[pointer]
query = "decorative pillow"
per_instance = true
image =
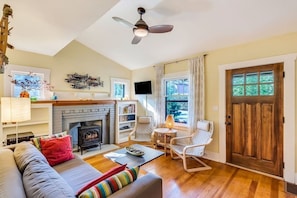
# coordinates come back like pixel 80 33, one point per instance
pixel 106 175
pixel 36 140
pixel 57 150
pixel 112 184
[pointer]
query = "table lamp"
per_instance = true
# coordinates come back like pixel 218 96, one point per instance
pixel 15 110
pixel 169 121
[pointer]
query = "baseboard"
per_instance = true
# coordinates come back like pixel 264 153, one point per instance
pixel 291 188
pixel 212 156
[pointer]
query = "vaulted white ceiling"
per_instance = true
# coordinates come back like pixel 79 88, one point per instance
pixel 46 27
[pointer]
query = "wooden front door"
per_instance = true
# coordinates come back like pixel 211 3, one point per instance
pixel 254 118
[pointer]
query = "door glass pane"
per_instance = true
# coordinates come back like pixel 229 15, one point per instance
pixel 238 79
pixel 267 89
pixel 251 90
pixel 238 90
pixel 266 77
pixel 251 78
pixel 253 84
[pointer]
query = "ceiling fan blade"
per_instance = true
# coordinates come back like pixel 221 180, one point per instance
pixel 160 28
pixel 136 40
pixel 124 22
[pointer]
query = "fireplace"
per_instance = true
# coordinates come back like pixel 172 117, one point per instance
pixel 89 137
pixel 70 118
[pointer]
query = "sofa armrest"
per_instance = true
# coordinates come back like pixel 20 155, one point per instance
pixel 147 186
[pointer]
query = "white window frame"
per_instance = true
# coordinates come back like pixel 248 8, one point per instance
pixel 10 70
pixel 173 76
pixel 125 82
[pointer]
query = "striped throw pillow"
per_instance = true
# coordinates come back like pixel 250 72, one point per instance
pixel 111 184
pixel 36 140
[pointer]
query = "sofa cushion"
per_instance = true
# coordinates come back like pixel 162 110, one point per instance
pixel 104 176
pixel 77 173
pixel 36 140
pixel 111 184
pixel 41 180
pixel 11 184
pixel 24 153
pixel 57 150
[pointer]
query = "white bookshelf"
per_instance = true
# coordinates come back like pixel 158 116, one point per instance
pixel 40 123
pixel 125 119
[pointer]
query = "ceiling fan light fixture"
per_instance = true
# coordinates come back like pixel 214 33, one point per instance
pixel 141 29
pixel 140 32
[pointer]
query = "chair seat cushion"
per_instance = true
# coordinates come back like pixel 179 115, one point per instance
pixel 142 137
pixel 197 151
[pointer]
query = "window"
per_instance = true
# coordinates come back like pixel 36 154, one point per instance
pixel 176 98
pixel 33 83
pixel 253 84
pixel 34 80
pixel 120 88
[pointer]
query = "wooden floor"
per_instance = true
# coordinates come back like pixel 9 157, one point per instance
pixel 221 181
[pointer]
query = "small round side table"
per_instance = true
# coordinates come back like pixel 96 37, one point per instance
pixel 162 137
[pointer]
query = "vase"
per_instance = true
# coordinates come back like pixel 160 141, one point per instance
pixel 24 94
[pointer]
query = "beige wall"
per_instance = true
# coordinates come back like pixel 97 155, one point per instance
pixel 73 58
pixel 77 58
pixel 144 74
pixel 280 45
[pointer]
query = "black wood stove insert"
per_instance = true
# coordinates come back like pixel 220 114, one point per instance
pixel 89 137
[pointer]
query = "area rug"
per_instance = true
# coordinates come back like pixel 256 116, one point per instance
pixel 96 151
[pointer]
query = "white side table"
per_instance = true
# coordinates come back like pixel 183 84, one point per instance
pixel 162 137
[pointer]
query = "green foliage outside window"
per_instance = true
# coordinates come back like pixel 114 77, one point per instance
pixel 253 84
pixel 177 99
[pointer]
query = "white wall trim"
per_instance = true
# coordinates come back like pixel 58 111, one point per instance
pixel 289 108
pixel 9 69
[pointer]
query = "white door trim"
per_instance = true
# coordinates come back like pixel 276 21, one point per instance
pixel 289 108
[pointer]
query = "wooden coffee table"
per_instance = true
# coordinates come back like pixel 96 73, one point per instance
pixel 132 161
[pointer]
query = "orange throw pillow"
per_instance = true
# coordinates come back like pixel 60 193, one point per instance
pixel 57 150
pixel 106 175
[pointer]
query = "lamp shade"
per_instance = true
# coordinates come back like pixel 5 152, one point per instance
pixel 15 109
pixel 169 121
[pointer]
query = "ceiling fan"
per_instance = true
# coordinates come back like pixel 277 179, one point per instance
pixel 141 29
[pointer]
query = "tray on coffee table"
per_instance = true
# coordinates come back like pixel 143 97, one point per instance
pixel 132 160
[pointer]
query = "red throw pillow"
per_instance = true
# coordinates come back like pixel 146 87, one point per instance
pixel 106 175
pixel 57 150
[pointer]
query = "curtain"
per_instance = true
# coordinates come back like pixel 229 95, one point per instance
pixel 160 103
pixel 196 93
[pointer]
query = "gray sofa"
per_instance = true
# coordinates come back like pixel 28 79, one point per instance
pixel 24 172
